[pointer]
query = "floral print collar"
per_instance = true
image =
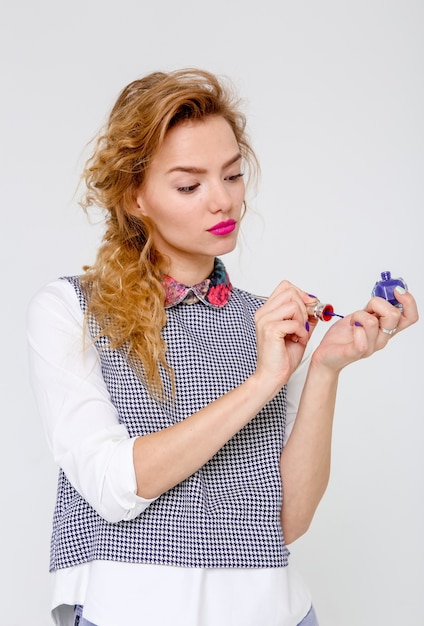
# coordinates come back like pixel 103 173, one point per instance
pixel 214 290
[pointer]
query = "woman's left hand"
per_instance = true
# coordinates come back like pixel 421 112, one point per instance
pixel 364 332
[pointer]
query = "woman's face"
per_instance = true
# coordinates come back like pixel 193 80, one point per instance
pixel 193 194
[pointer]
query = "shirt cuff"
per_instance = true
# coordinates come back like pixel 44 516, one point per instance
pixel 119 497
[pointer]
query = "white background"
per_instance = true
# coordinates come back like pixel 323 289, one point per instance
pixel 334 92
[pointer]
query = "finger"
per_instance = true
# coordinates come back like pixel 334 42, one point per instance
pixel 279 329
pixel 366 330
pixel 285 304
pixel 360 337
pixel 284 285
pixel 286 292
pixel 377 334
pixel 388 315
pixel 409 311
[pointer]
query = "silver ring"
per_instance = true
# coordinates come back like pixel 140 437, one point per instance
pixel 386 331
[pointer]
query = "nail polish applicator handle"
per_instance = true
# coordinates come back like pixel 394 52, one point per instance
pixel 321 311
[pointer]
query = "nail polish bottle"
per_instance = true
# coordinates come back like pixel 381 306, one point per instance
pixel 385 287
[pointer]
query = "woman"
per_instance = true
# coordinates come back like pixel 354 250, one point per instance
pixel 178 408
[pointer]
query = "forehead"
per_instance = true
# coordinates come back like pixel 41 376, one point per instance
pixel 211 138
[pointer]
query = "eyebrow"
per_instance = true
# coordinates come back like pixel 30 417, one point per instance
pixel 200 170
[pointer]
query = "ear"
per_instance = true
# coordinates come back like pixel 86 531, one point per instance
pixel 137 207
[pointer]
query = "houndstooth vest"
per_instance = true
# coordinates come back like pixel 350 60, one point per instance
pixel 227 514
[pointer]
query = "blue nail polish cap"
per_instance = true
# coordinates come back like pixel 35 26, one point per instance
pixel 385 287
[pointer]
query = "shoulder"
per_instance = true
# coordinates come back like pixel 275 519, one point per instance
pixel 248 299
pixel 56 298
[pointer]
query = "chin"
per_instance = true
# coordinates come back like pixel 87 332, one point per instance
pixel 226 245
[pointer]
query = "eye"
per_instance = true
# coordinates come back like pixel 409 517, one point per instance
pixel 234 177
pixel 188 188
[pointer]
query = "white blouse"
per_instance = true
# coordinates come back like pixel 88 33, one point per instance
pixel 95 451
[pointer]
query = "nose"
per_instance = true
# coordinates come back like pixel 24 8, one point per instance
pixel 220 198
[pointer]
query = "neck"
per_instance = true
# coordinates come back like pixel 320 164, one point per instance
pixel 190 274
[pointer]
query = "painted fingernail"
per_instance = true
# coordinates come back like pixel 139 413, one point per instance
pixel 307 326
pixel 311 295
pixel 400 290
pixel 358 324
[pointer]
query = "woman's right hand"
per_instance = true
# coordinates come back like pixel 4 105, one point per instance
pixel 283 330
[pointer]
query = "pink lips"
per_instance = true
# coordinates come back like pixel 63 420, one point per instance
pixel 223 228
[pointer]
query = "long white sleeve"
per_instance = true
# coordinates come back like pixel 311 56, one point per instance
pixel 80 421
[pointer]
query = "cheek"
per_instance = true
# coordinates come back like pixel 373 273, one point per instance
pixel 153 205
pixel 239 200
pixel 171 216
pixel 240 192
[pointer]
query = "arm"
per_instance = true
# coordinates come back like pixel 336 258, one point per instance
pixel 107 467
pixel 80 422
pixel 305 460
pixel 165 458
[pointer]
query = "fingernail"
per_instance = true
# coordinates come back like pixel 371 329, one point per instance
pixel 400 290
pixel 307 326
pixel 358 324
pixel 311 295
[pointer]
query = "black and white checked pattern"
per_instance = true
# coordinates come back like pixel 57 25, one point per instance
pixel 227 514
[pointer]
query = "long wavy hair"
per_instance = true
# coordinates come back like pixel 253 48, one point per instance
pixel 123 286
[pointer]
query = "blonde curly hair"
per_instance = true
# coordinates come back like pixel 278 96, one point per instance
pixel 123 286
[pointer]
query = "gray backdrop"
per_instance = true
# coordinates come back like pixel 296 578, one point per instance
pixel 334 93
